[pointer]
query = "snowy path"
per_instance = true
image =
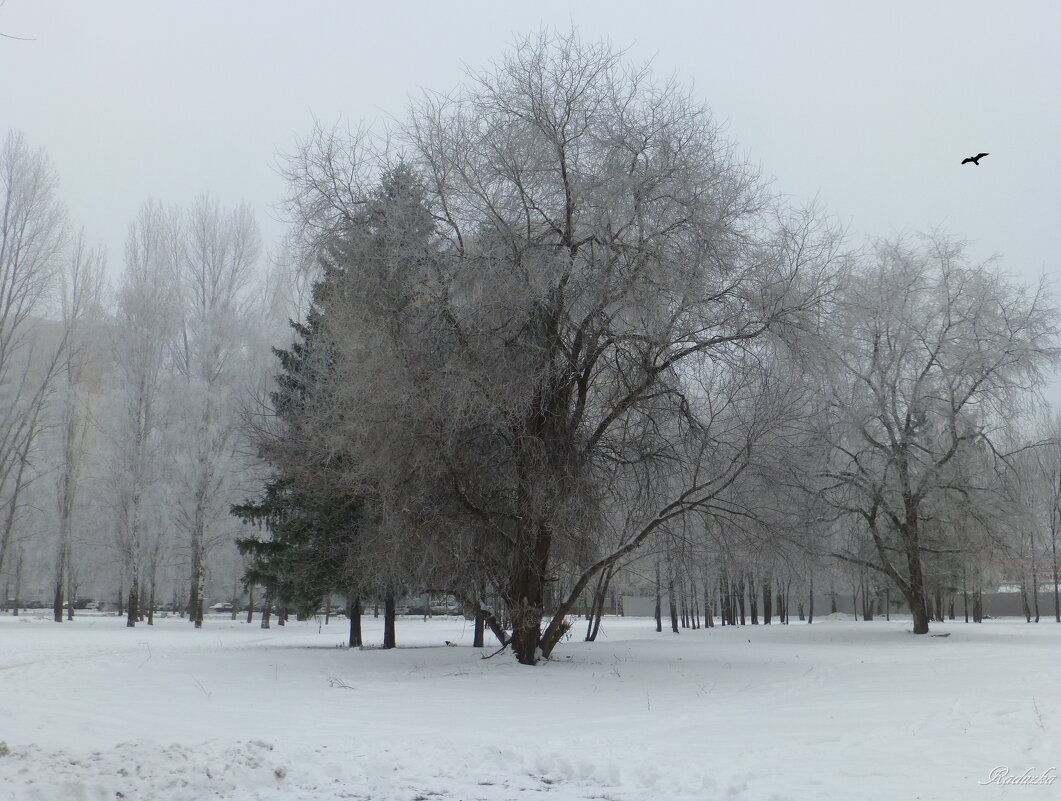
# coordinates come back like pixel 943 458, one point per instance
pixel 837 710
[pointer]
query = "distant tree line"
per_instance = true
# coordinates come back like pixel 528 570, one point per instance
pixel 121 446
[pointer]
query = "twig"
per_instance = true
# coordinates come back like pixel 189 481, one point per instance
pixel 335 681
pixel 495 653
pixel 202 688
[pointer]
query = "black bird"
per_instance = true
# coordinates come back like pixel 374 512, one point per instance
pixel 975 159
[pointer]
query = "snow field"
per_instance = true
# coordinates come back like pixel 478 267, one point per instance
pixel 838 710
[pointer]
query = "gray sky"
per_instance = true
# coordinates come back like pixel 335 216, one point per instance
pixel 869 106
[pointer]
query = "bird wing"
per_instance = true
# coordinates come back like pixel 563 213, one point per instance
pixel 981 155
pixel 966 161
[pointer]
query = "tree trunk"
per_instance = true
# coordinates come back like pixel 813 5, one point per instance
pixel 133 612
pixel 723 594
pixel 18 581
pixel 479 634
pixel 60 586
pixel 753 600
pixel 738 592
pixel 527 596
pixel 810 604
pixel 598 605
pixel 353 611
pixel 62 568
pixel 1057 590
pixel 919 611
pixel 965 594
pixel 768 602
pixel 597 599
pixel 195 605
pixel 916 595
pixel 672 602
pixel 250 604
pixel 867 602
pixel 695 600
pixel 659 600
pixel 389 613
pixel 267 609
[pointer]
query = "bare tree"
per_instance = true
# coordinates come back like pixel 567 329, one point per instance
pixel 582 340
pixel 33 237
pixel 931 358
pixel 1048 466
pixel 81 298
pixel 217 255
pixel 142 330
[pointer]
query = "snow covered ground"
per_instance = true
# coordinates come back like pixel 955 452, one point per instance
pixel 92 711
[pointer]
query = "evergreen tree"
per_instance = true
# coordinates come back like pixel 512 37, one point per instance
pixel 311 551
pixel 321 512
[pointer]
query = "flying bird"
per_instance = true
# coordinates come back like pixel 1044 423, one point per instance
pixel 975 159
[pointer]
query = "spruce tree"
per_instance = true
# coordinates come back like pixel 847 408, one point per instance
pixel 317 518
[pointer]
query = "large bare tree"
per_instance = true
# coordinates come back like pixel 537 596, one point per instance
pixel 583 340
pixel 932 358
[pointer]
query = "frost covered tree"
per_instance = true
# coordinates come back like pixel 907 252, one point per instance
pixel 932 358
pixel 81 288
pixel 580 340
pixel 1047 480
pixel 216 258
pixel 33 242
pixel 142 329
pixel 184 340
pixel 327 532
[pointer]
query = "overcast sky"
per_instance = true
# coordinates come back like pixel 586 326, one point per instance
pixel 868 106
